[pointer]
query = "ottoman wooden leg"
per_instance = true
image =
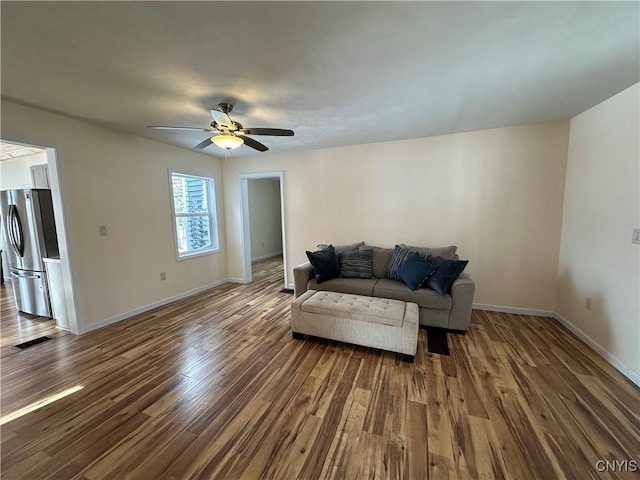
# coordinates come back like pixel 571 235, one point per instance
pixel 297 336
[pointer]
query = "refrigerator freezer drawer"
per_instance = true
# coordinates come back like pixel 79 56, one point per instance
pixel 31 292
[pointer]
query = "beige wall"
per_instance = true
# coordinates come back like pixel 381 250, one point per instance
pixel 109 178
pixel 265 224
pixel 16 172
pixel 497 194
pixel 601 209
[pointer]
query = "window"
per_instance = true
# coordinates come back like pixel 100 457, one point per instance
pixel 194 209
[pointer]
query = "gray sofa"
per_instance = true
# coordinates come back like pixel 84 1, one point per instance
pixel 451 311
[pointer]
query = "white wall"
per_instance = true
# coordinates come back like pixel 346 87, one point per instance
pixel 16 172
pixel 497 194
pixel 265 224
pixel 109 178
pixel 601 209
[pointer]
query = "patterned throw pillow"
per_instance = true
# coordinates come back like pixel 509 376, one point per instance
pixel 356 263
pixel 399 255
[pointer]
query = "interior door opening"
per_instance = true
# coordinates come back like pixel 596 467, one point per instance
pixel 25 167
pixel 263 232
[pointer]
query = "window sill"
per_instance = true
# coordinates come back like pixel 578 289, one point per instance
pixel 187 256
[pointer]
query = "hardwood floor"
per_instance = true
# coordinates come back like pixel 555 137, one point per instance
pixel 214 387
pixel 18 327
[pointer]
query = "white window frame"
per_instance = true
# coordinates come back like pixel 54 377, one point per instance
pixel 212 214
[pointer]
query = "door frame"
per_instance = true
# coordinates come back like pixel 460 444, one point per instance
pixel 75 326
pixel 243 180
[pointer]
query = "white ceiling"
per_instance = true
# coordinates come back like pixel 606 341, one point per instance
pixel 10 151
pixel 338 73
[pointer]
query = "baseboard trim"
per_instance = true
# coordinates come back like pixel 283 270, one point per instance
pixel 150 306
pixel 237 280
pixel 266 255
pixel 613 360
pixel 516 310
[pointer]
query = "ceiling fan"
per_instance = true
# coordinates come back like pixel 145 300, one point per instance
pixel 230 134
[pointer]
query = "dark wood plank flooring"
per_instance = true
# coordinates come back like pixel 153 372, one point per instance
pixel 214 387
pixel 18 327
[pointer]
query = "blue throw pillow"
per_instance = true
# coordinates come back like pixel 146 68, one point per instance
pixel 446 273
pixel 325 263
pixel 415 270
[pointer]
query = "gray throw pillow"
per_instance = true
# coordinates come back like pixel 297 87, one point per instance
pixel 356 263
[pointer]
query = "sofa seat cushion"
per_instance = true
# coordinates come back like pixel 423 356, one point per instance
pixel 354 286
pixel 424 297
pixel 356 307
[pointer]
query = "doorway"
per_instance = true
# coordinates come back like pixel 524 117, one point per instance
pixel 263 221
pixel 34 166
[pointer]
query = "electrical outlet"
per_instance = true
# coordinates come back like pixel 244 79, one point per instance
pixel 635 238
pixel 102 230
pixel 587 303
pixel 163 276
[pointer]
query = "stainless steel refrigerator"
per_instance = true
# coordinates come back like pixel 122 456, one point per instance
pixel 28 236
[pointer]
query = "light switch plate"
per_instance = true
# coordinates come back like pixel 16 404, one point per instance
pixel 102 230
pixel 636 236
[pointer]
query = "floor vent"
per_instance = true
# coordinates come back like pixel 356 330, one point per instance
pixel 286 290
pixel 33 342
pixel 437 340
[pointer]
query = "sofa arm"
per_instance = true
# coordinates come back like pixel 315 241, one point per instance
pixel 462 292
pixel 301 276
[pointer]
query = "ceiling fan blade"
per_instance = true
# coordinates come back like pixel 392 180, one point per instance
pixel 163 127
pixel 250 142
pixel 222 119
pixel 278 132
pixel 203 144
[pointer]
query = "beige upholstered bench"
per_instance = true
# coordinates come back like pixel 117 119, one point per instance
pixel 367 321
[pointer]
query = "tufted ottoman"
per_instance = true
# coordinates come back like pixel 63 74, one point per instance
pixel 368 321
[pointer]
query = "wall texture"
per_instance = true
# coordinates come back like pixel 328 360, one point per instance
pixel 601 209
pixel 109 178
pixel 497 194
pixel 265 224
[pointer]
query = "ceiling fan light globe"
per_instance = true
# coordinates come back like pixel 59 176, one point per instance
pixel 228 142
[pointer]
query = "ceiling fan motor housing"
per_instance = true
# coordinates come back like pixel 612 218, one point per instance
pixel 225 107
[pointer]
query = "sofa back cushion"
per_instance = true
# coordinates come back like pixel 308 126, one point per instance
pixel 342 248
pixel 381 257
pixel 430 253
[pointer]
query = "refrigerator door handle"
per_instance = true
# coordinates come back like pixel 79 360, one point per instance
pixel 15 231
pixel 25 275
